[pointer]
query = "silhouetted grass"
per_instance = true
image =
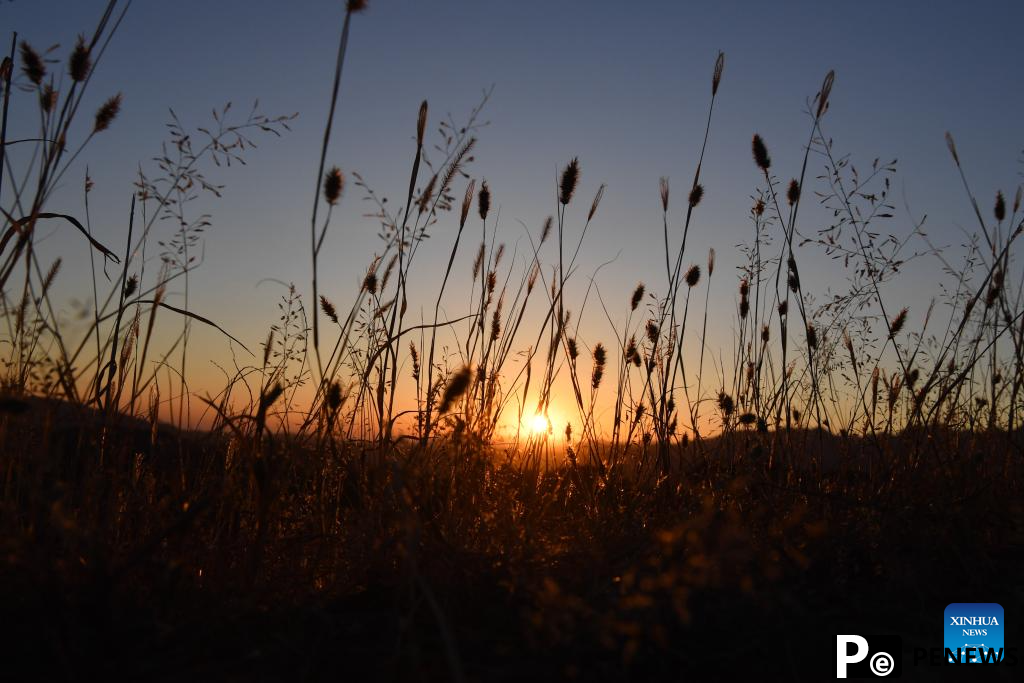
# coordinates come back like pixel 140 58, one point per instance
pixel 351 510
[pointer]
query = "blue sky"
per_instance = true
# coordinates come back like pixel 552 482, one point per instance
pixel 623 85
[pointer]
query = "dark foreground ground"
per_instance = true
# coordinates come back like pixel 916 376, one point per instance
pixel 129 554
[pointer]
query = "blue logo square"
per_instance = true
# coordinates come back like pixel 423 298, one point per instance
pixel 976 629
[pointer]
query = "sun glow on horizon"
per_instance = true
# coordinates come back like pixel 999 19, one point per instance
pixel 540 424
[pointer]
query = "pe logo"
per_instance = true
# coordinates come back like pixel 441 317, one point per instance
pixel 973 633
pixel 868 656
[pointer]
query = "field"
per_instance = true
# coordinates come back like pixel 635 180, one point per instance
pixel 480 492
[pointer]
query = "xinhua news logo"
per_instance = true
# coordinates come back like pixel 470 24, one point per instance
pixel 973 633
pixel 868 656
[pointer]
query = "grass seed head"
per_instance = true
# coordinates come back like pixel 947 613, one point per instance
pixel 328 308
pixel 600 358
pixel 995 288
pixel 812 336
pixel 761 158
pixel 106 114
pixel 716 77
pixel 427 194
pixel 826 90
pixel 897 323
pixel 456 387
pixel 531 280
pixel 483 200
pixel 51 275
pixel 334 185
pixel 32 64
pixel 268 347
pixel 545 232
pixel 696 194
pixel 479 260
pixel 334 398
pixel 596 202
pixel 47 98
pixel 951 144
pixel 693 276
pixel 421 123
pixel 638 295
pixel 793 192
pixel 725 404
pixel 130 287
pixel 496 323
pixel 370 282
pixel 415 356
pixel 79 63
pixel 652 331
pixel 467 201
pixel 794 276
pixel 630 350
pixel 570 178
pixel 268 399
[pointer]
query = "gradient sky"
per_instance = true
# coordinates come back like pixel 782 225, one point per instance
pixel 623 85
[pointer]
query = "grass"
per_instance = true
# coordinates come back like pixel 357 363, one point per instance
pixel 352 511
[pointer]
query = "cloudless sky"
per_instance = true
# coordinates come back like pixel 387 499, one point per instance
pixel 623 85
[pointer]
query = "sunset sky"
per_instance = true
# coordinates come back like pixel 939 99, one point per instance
pixel 623 85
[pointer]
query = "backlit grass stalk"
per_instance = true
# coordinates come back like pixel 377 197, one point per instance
pixel 316 242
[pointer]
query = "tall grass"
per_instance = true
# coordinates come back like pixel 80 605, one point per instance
pixel 370 457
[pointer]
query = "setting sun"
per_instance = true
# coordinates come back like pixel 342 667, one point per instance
pixel 540 424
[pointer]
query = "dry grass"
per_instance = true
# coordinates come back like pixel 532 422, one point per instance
pixel 350 509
